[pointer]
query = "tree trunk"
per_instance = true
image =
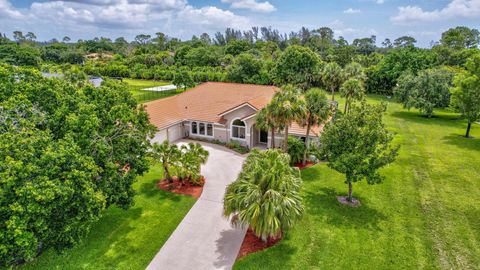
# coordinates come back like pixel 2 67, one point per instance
pixel 350 191
pixel 285 143
pixel 469 126
pixel 273 138
pixel 167 173
pixel 307 145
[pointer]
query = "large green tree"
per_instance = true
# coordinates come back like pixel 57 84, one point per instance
pixel 352 90
pixel 429 90
pixel 332 77
pixel 298 66
pixel 66 153
pixel 266 195
pixel 466 93
pixel 358 145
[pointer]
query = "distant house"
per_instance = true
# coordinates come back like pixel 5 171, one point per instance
pixel 220 111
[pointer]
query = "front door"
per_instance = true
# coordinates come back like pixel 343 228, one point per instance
pixel 263 138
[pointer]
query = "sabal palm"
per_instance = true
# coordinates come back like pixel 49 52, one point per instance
pixel 332 77
pixel 167 154
pixel 317 111
pixel 265 121
pixel 286 107
pixel 265 196
pixel 352 90
pixel 354 71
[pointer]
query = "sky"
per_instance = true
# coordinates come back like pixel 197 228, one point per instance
pixel 85 19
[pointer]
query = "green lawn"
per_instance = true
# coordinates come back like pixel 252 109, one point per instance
pixel 142 96
pixel 125 239
pixel 426 215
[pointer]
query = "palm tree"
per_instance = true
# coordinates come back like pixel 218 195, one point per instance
pixel 265 121
pixel 287 106
pixel 332 77
pixel 317 112
pixel 167 154
pixel 354 71
pixel 193 156
pixel 352 89
pixel 266 195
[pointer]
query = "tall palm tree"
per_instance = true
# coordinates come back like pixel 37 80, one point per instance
pixel 352 90
pixel 332 77
pixel 265 121
pixel 317 111
pixel 167 154
pixel 266 195
pixel 287 106
pixel 354 71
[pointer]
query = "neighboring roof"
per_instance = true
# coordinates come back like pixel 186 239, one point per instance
pixel 207 102
pixel 298 130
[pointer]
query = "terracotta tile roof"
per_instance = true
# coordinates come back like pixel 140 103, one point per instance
pixel 298 130
pixel 206 101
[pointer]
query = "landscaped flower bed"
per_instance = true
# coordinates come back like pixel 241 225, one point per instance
pixel 182 187
pixel 251 243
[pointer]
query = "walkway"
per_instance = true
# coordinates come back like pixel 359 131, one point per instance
pixel 205 239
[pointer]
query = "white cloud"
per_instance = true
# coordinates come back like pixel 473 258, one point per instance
pixel 8 11
pixel 252 5
pixel 469 9
pixel 351 11
pixel 380 2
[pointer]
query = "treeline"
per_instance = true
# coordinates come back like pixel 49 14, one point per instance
pixel 251 56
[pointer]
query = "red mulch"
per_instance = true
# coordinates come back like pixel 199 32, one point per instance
pixel 252 244
pixel 181 188
pixel 301 167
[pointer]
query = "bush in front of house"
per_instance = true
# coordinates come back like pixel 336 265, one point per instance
pixel 296 148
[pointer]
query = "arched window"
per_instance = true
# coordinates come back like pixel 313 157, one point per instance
pixel 238 129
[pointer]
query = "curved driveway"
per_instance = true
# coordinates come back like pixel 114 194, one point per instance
pixel 205 239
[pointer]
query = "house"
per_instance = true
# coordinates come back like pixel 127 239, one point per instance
pixel 220 111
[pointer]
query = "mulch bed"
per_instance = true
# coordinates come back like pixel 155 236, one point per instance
pixel 252 244
pixel 301 167
pixel 344 200
pixel 181 188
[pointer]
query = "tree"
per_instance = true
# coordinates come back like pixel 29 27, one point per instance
pixel 143 39
pixel 298 66
pixel 192 157
pixel 354 71
pixel 30 36
pixel 460 37
pixel 18 36
pixel 266 195
pixel 296 149
pixel 67 152
pixel 66 39
pixel 317 112
pixel 404 41
pixel 358 145
pixel 287 107
pixel 428 90
pixel 466 93
pixel 245 69
pixel 332 77
pixel 352 90
pixel 365 45
pixel 183 79
pixel 166 154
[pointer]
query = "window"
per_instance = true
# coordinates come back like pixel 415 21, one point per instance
pixel 238 129
pixel 209 130
pixel 202 129
pixel 194 128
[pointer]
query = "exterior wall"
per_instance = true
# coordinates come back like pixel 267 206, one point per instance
pixel 239 114
pixel 172 134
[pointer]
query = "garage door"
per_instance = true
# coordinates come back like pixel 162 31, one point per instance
pixel 160 136
pixel 175 133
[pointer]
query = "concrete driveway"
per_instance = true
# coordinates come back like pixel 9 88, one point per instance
pixel 205 239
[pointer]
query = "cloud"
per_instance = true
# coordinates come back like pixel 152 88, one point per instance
pixel 380 2
pixel 468 9
pixel 351 11
pixel 175 17
pixel 252 5
pixel 8 11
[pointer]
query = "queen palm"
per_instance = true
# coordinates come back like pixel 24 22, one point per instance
pixel 286 107
pixel 317 112
pixel 332 77
pixel 265 196
pixel 352 90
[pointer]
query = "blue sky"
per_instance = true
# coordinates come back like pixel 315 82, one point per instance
pixel 423 19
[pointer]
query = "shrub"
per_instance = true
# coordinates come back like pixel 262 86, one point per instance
pixel 296 148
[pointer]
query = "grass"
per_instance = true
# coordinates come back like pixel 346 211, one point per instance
pixel 425 215
pixel 125 239
pixel 142 96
